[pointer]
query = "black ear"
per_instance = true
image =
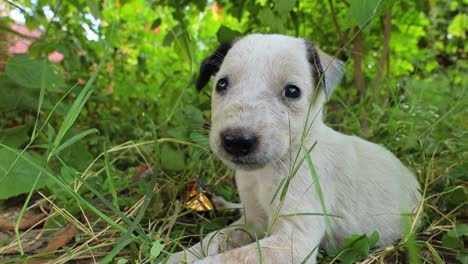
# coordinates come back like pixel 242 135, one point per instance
pixel 326 70
pixel 210 66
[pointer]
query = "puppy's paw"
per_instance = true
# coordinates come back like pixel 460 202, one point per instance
pixel 220 203
pixel 181 257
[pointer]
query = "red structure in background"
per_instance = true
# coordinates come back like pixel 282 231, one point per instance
pixel 19 43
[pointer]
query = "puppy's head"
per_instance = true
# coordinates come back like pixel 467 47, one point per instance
pixel 265 87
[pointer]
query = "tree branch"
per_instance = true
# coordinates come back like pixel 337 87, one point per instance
pixel 357 55
pixel 384 59
pixel 335 21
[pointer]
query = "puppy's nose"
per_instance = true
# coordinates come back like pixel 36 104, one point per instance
pixel 238 143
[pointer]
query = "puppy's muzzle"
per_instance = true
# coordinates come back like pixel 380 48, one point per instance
pixel 238 142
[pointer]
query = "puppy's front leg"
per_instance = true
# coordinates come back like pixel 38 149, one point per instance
pixel 236 235
pixel 288 244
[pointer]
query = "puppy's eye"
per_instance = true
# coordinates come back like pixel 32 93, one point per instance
pixel 292 91
pixel 222 85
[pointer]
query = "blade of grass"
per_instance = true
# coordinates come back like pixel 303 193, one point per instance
pixel 66 125
pixel 68 190
pixel 74 139
pixel 44 162
pixel 260 254
pixel 309 255
pixel 114 209
pixel 309 214
pixel 434 252
pixel 284 191
pixel 126 239
pixel 318 190
pixel 83 97
pixel 115 198
pixel 41 96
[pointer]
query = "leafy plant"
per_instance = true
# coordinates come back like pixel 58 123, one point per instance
pixel 355 248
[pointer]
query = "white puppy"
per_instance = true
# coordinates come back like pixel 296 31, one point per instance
pixel 266 110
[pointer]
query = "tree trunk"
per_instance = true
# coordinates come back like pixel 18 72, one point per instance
pixel 358 73
pixel 384 59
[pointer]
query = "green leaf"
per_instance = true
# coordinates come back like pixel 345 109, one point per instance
pixel 193 114
pixel 168 39
pixel 172 159
pixel 14 136
pixel 463 257
pixel 348 257
pixel 67 173
pixel 361 12
pixel 349 242
pixel 122 261
pixel 200 139
pixel 284 6
pixel 156 249
pixel 172 35
pixel 18 178
pixel 77 156
pixel 459 25
pixel 454 237
pixel 178 132
pixel 31 73
pixel 94 8
pixel 226 34
pixel 362 247
pixel 156 23
pixel 267 17
pixel 458 231
pixel 374 238
pixel 451 242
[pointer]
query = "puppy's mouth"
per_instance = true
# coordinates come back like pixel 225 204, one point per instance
pixel 247 163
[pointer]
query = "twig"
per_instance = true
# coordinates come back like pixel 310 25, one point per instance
pixel 357 54
pixel 335 21
pixel 384 60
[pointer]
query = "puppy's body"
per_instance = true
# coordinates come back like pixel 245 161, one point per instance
pixel 361 182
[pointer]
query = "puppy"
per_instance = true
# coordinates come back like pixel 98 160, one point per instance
pixel 267 101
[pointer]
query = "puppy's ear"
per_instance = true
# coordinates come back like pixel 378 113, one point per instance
pixel 326 69
pixel 210 66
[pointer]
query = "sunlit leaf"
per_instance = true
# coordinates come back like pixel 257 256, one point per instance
pixel 459 25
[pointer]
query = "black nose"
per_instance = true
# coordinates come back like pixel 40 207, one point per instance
pixel 237 142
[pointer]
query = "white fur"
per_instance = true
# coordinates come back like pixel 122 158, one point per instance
pixel 362 182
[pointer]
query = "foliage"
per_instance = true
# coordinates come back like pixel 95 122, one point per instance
pixel 356 248
pixel 79 131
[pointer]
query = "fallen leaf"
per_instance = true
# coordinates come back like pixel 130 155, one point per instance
pixel 10 216
pixel 60 239
pixel 32 240
pixel 143 171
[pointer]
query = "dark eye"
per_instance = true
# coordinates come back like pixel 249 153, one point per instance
pixel 292 91
pixel 222 85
